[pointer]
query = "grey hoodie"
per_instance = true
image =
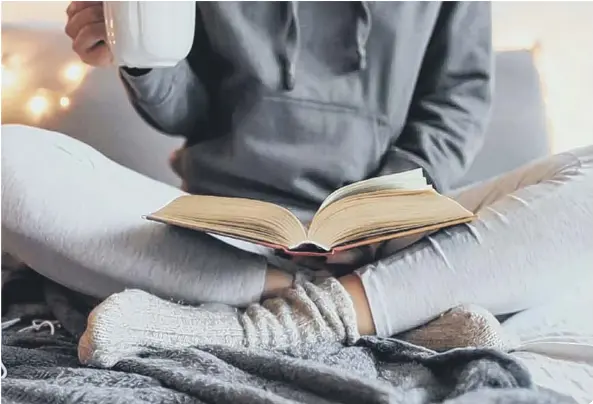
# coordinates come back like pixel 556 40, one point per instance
pixel 288 101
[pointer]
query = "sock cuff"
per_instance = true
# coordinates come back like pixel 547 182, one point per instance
pixel 330 296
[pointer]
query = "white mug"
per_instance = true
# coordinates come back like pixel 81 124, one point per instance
pixel 149 34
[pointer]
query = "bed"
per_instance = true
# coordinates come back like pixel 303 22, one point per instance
pixel 557 344
pixel 553 364
pixel 42 366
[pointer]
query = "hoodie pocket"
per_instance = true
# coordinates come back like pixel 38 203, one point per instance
pixel 306 146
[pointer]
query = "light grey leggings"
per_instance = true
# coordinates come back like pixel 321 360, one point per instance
pixel 76 217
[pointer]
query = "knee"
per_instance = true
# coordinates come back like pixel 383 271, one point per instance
pixel 584 155
pixel 20 143
pixel 28 155
pixel 23 136
pixel 26 149
pixel 17 137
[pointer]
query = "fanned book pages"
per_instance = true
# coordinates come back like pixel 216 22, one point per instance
pixel 362 213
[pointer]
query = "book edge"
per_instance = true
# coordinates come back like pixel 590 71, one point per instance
pixel 405 233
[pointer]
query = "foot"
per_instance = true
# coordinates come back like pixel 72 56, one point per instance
pixel 461 327
pixel 131 321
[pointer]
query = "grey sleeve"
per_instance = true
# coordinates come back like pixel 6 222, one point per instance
pixel 172 100
pixel 452 99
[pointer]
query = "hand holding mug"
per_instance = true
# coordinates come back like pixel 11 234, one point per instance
pixel 86 28
pixel 134 34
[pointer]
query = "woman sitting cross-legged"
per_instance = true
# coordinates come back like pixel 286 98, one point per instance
pixel 396 96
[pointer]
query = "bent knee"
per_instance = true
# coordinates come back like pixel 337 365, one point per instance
pixel 17 139
pixel 24 145
pixel 22 150
pixel 584 155
pixel 22 136
pixel 33 160
pixel 27 149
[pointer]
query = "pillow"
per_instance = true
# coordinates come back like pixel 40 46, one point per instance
pixel 517 132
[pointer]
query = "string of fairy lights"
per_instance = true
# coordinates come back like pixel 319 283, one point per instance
pixel 21 102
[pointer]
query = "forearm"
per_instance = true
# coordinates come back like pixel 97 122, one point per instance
pixel 451 103
pixel 172 100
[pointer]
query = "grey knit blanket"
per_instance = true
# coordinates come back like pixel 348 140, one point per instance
pixel 43 367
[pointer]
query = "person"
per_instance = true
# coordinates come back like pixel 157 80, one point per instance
pixel 286 102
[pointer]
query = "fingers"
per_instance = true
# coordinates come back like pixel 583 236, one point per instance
pixel 86 27
pixel 86 16
pixel 99 56
pixel 175 163
pixel 76 6
pixel 356 256
pixel 90 45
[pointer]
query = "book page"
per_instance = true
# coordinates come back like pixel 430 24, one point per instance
pixel 245 219
pixel 383 212
pixel 408 180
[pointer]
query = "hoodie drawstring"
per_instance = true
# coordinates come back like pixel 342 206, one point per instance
pixel 291 45
pixel 292 40
pixel 363 30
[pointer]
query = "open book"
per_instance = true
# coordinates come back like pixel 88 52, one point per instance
pixel 362 213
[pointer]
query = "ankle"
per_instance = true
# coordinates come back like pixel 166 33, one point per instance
pixel 276 281
pixel 364 318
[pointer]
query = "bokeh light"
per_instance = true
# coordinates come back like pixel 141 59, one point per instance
pixel 74 72
pixel 64 102
pixel 38 105
pixel 9 78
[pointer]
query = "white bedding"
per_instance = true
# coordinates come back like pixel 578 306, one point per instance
pixel 557 344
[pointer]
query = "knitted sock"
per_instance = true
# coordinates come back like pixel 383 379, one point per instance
pixel 460 327
pixel 128 322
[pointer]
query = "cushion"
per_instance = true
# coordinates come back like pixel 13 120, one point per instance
pixel 517 132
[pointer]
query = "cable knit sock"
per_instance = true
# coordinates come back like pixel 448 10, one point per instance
pixel 460 327
pixel 128 322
